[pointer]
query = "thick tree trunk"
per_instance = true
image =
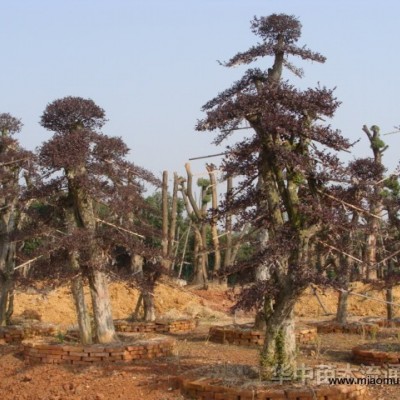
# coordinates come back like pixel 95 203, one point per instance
pixel 83 317
pixel 85 218
pixel 278 355
pixel 82 313
pixel 104 326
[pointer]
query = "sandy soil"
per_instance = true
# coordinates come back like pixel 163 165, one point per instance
pixel 153 380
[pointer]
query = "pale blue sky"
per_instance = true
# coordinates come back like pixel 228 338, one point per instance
pixel 152 65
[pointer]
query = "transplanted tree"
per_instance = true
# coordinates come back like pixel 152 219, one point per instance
pixel 13 160
pixel 100 194
pixel 284 172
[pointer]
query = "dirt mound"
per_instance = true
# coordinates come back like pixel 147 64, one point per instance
pixel 175 302
pixel 308 305
pixel 171 301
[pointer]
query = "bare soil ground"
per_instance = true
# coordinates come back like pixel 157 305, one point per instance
pixel 153 380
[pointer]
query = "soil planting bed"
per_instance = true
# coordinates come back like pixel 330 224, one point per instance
pixel 358 327
pixel 14 334
pixel 377 353
pixel 211 389
pixel 243 335
pixel 42 351
pixel 177 326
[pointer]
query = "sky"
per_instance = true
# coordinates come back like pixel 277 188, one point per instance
pixel 151 65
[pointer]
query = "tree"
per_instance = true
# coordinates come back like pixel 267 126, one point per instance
pixel 391 203
pixel 13 161
pixel 375 200
pixel 285 172
pixel 198 215
pixel 88 173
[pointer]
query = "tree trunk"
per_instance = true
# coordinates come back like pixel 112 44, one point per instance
pixel 6 285
pixel 341 313
pixel 262 274
pixel 200 262
pixel 6 276
pixel 148 305
pixel 278 355
pixel 214 222
pixel 184 249
pixel 376 202
pixel 200 272
pixel 135 315
pixel 389 304
pixel 172 226
pixel 228 225
pixel 10 307
pixel 164 206
pixel 85 218
pixel 82 313
pixel 104 326
pixel 85 328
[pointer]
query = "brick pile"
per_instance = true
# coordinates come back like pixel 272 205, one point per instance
pixel 209 389
pixel 58 353
pixel 367 355
pixel 247 337
pixel 181 325
pixel 14 334
pixel 177 326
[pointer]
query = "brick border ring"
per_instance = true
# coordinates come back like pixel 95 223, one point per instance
pixel 357 328
pixel 44 352
pixel 15 334
pixel 177 326
pixel 368 355
pixel 210 389
pixel 240 336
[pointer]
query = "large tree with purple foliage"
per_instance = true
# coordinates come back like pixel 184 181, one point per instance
pixel 99 195
pixel 285 170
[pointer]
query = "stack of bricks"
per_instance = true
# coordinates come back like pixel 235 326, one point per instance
pixel 182 325
pixel 237 336
pixel 352 327
pixel 57 353
pixel 207 389
pixel 122 325
pixel 14 334
pixel 366 355
pixel 246 337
